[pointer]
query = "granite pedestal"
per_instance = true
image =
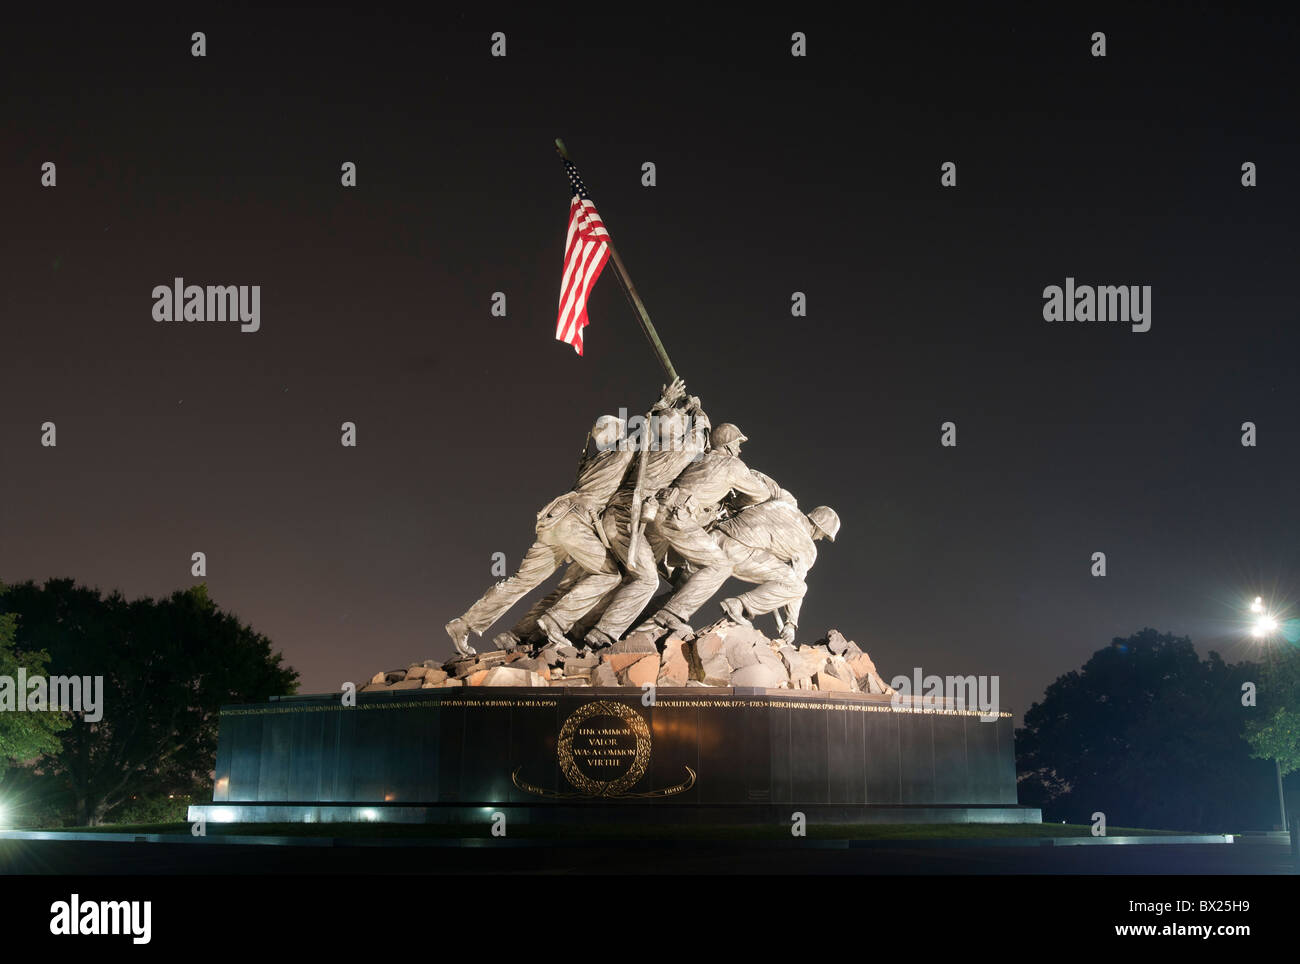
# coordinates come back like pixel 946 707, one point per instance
pixel 584 754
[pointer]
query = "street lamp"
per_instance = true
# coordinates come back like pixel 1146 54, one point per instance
pixel 1264 627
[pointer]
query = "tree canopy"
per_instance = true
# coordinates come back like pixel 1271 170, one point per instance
pixel 168 665
pixel 1275 733
pixel 24 736
pixel 1150 735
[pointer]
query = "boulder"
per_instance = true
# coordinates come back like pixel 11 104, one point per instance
pixel 674 673
pixel 759 674
pixel 838 667
pixel 869 681
pixel 371 687
pixel 836 642
pixel 395 676
pixel 579 665
pixel 462 666
pixel 740 651
pixel 644 672
pixel 415 672
pixel 769 657
pixel 379 678
pixel 511 676
pixel 708 646
pixel 434 675
pixel 618 662
pixel 804 662
pixel 551 656
pixel 722 627
pixel 407 684
pixel 742 635
pixel 476 678
pixel 674 670
pixel 717 671
pixel 827 682
pixel 635 643
pixel 462 669
pixel 603 675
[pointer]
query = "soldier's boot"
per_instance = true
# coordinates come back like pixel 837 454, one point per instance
pixel 735 611
pixel 669 621
pixel 458 630
pixel 507 641
pixel 552 631
pixel 598 639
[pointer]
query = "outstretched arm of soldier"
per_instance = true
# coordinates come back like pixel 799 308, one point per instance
pixel 773 490
pixel 748 488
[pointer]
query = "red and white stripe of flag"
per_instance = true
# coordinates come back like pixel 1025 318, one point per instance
pixel 586 249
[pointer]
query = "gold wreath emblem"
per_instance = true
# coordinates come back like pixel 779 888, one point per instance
pixel 569 766
pixel 618 787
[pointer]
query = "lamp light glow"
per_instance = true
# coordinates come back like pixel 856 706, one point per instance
pixel 1264 626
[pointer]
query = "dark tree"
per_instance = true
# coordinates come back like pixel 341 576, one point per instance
pixel 1150 735
pixel 168 666
pixel 23 736
pixel 1274 732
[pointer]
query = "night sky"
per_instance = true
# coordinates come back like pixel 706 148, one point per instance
pixel 775 174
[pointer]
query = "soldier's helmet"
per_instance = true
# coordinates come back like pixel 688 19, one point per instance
pixel 607 431
pixel 726 433
pixel 825 519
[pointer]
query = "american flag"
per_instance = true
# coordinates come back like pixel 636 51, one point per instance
pixel 586 249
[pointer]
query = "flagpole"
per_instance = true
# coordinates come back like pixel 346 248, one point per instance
pixel 629 289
